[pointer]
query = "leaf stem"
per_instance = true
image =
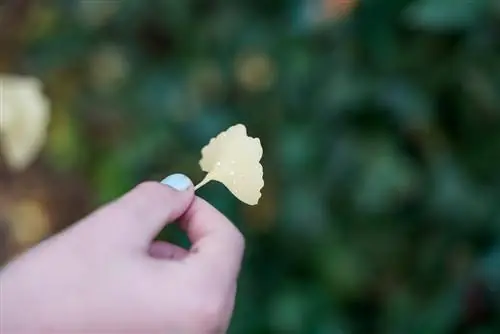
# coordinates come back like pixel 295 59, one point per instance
pixel 203 182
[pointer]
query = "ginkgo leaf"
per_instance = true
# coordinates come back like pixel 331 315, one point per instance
pixel 24 118
pixel 233 158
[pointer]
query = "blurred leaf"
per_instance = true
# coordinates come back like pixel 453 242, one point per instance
pixel 288 311
pixel 410 106
pixel 445 15
pixel 345 92
pixel 304 214
pixel 400 312
pixel 296 150
pixel 112 178
pixel 454 198
pixel 29 222
pixel 66 147
pixel 489 271
pixel 439 317
pixel 343 270
pixel 388 178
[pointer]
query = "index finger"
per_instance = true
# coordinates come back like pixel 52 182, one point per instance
pixel 217 245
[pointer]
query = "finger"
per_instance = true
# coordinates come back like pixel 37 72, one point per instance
pixel 166 251
pixel 217 245
pixel 143 212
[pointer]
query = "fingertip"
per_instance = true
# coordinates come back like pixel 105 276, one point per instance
pixel 179 182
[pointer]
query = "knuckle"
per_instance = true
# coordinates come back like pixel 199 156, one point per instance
pixel 209 316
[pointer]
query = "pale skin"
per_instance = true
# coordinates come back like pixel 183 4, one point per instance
pixel 105 275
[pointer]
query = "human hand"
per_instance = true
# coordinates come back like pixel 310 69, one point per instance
pixel 104 275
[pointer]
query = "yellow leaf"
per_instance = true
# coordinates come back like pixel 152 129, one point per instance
pixel 24 118
pixel 233 158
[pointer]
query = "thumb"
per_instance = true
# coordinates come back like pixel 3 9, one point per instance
pixel 139 215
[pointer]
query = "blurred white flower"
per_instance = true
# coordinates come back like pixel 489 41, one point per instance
pixel 24 118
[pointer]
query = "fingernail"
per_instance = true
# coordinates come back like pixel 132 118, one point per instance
pixel 179 182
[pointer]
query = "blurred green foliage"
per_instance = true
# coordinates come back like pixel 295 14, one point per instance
pixel 380 124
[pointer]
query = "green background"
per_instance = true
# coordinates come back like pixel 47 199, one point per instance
pixel 380 126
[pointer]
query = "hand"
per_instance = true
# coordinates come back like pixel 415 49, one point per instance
pixel 104 275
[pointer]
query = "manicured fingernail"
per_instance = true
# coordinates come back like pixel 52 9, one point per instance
pixel 179 182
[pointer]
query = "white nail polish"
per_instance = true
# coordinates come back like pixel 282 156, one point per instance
pixel 179 182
